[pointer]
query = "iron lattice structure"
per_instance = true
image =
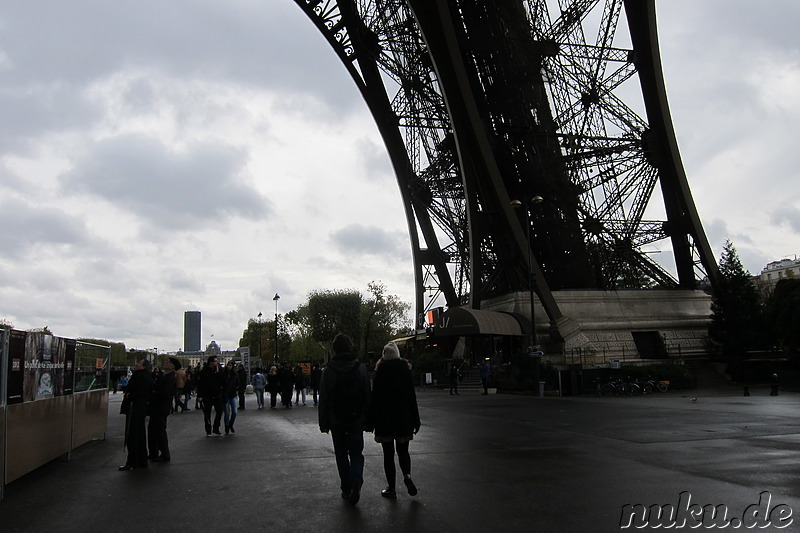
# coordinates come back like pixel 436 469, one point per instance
pixel 482 102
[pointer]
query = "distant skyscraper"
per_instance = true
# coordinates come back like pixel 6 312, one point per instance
pixel 191 331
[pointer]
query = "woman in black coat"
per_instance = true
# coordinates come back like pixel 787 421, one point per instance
pixel 137 396
pixel 273 385
pixel 394 416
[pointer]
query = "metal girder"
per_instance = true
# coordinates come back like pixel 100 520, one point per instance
pixel 483 102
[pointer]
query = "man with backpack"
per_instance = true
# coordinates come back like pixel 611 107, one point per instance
pixel 343 403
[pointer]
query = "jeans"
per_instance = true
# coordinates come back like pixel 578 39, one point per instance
pixel 297 394
pixel 230 411
pixel 178 403
pixel 208 403
pixel 348 447
pixel 259 396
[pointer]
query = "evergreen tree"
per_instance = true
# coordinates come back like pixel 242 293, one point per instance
pixel 736 314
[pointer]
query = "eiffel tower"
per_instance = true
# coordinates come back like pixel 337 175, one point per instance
pixel 535 153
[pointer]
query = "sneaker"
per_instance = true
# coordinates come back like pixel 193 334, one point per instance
pixel 412 489
pixel 389 493
pixel 355 492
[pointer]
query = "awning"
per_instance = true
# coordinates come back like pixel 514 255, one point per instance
pixel 462 321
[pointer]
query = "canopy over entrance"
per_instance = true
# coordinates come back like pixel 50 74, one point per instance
pixel 462 321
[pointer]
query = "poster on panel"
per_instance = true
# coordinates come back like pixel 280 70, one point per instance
pixel 16 360
pixel 44 367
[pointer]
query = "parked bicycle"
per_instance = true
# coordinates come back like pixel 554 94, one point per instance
pixel 652 385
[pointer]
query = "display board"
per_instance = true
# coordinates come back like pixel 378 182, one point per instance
pixel 40 366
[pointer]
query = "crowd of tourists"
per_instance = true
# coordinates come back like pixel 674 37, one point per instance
pixel 350 402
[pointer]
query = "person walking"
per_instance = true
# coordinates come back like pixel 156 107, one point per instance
pixel 137 397
pixel 454 370
pixel 316 374
pixel 300 385
pixel 198 371
pixel 231 379
pixel 123 382
pixel 181 383
pixel 394 416
pixel 242 373
pixel 211 394
pixel 187 390
pixel 287 385
pixel 343 404
pixel 164 393
pixel 273 385
pixel 486 371
pixel 259 383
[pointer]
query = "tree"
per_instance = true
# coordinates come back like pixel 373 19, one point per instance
pixel 118 355
pixel 306 333
pixel 303 346
pixel 384 316
pixel 332 312
pixel 736 314
pixel 257 337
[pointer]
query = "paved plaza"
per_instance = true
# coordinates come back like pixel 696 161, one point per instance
pixel 482 464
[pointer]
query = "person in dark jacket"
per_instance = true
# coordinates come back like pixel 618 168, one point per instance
pixel 287 384
pixel 211 393
pixel 343 404
pixel 486 371
pixel 316 375
pixel 242 373
pixel 394 416
pixel 160 407
pixel 454 376
pixel 273 385
pixel 231 379
pixel 300 384
pixel 137 395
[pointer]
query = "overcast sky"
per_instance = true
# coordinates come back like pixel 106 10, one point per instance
pixel 158 157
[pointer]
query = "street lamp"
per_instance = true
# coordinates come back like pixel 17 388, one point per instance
pixel 533 349
pixel 260 337
pixel 275 299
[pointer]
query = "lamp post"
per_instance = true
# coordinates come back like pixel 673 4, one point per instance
pixel 260 338
pixel 275 299
pixel 533 349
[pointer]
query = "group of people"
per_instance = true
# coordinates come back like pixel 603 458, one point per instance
pixel 218 389
pixel 146 395
pixel 285 381
pixel 349 406
pixel 350 403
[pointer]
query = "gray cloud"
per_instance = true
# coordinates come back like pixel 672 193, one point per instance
pixel 182 281
pixel 788 215
pixel 370 240
pixel 31 228
pixel 266 44
pixel 170 191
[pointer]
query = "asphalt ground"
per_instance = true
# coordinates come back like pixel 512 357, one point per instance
pixel 493 463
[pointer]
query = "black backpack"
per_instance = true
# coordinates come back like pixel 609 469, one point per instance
pixel 347 397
